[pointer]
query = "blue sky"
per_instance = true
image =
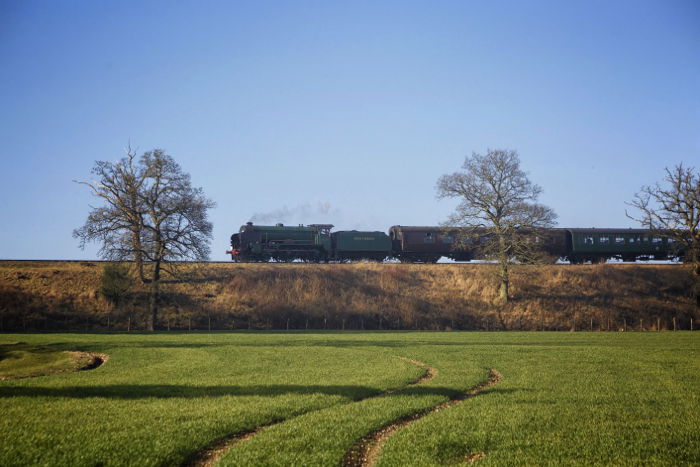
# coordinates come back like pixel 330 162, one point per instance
pixel 340 112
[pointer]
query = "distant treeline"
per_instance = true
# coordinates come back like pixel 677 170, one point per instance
pixel 46 296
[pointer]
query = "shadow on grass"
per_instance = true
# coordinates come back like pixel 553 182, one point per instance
pixel 6 350
pixel 107 345
pixel 339 340
pixel 166 391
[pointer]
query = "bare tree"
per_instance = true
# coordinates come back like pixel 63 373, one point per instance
pixel 498 209
pixel 117 225
pixel 176 225
pixel 152 214
pixel 672 209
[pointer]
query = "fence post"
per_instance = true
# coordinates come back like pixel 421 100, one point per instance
pixel 641 325
pixel 209 322
pixel 591 324
pixel 624 324
pixel 128 324
pixel 674 323
pixel 658 324
pixel 287 324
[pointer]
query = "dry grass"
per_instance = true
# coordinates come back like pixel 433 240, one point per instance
pixel 63 296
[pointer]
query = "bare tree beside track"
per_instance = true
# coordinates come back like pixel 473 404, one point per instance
pixel 498 210
pixel 672 209
pixel 152 215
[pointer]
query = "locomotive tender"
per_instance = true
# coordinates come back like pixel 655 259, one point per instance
pixel 316 243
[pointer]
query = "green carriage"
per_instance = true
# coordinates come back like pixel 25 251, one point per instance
pixel 599 245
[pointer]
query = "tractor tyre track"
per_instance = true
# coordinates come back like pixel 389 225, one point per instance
pixel 365 451
pixel 93 361
pixel 210 455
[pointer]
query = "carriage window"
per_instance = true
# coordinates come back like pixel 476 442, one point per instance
pixel 630 240
pixel 656 240
pixel 604 240
pixel 429 238
pixel 588 240
pixel 645 239
pixel 447 239
pixel 619 240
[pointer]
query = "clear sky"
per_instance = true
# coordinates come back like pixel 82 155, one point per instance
pixel 340 112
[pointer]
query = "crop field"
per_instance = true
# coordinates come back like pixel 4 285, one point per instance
pixel 353 398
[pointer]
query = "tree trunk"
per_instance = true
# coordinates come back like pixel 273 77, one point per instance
pixel 696 281
pixel 138 255
pixel 504 273
pixel 154 298
pixel 503 290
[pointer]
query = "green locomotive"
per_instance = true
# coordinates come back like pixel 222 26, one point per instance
pixel 310 243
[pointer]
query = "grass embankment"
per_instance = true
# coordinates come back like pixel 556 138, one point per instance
pixel 65 296
pixel 572 399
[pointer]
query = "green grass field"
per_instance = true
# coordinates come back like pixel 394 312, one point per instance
pixel 564 398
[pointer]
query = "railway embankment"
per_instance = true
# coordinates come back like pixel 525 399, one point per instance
pixel 66 296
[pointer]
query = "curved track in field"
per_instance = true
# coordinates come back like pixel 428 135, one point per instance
pixel 210 455
pixel 93 360
pixel 365 451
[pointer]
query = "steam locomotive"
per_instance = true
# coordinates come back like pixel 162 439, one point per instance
pixel 316 243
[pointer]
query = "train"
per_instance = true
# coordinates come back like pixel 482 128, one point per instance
pixel 427 244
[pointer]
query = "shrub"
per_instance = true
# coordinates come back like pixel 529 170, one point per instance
pixel 116 283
